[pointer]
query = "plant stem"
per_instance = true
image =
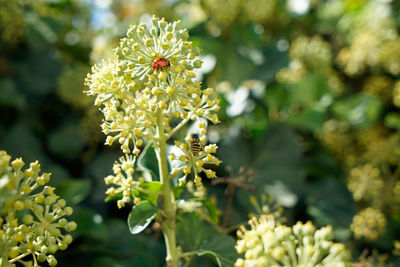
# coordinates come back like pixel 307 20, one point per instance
pixel 169 223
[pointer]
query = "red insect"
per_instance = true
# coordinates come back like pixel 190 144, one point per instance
pixel 159 63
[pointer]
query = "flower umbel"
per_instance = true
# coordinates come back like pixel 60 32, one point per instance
pixel 143 46
pixel 369 223
pixel 269 243
pixel 31 215
pixel 195 159
pixel 128 188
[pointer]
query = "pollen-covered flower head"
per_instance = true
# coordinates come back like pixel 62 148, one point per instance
pixel 269 243
pixel 369 223
pixel 32 216
pixel 146 51
pixel 194 157
pixel 105 84
pixel 126 185
pixel 365 182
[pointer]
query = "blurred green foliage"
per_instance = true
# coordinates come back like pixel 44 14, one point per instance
pixel 310 95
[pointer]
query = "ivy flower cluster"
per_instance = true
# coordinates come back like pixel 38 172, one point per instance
pixel 269 243
pixel 31 215
pixel 369 223
pixel 194 159
pixel 123 179
pixel 147 92
pixel 365 182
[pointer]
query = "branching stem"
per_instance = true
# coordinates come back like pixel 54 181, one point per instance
pixel 169 206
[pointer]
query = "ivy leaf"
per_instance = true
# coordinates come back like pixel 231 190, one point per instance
pixel 155 187
pixel 114 197
pixel 148 161
pixel 206 240
pixel 359 110
pixel 212 209
pixel 141 216
pixel 66 141
pixel 178 190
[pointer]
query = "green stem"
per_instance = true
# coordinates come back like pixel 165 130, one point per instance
pixel 4 260
pixel 20 257
pixel 169 223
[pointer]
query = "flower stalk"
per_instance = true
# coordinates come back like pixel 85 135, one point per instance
pixel 169 223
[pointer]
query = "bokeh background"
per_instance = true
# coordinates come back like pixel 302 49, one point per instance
pixel 310 94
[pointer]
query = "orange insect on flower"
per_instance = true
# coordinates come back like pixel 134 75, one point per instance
pixel 159 63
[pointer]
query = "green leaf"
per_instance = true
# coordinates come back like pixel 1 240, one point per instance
pixel 155 187
pixel 277 157
pixel 231 65
pixel 148 161
pixel 20 141
pixel 392 120
pixel 9 95
pixel 37 75
pixel 309 119
pixel 330 203
pixel 311 91
pixel 74 191
pixel 141 216
pixel 359 110
pixel 178 190
pixel 212 209
pixel 66 141
pixel 206 240
pixel 274 61
pixel 114 197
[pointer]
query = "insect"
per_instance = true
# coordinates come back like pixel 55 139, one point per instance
pixel 195 144
pixel 159 63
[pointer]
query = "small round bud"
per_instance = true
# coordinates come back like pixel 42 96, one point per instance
pixel 38 209
pixel 53 248
pixel 18 205
pixel 162 105
pixel 71 226
pixel 155 90
pixel 68 211
pixel 27 219
pixel 170 90
pixel 197 180
pixel 62 222
pixel 162 75
pixel 67 239
pixel 187 170
pixel 51 260
pixel 41 257
pixel 200 163
pixel 197 63
pixel 18 163
pixel 61 203
pixel 138 132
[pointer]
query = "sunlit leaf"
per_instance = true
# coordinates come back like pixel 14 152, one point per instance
pixel 205 240
pixel 141 216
